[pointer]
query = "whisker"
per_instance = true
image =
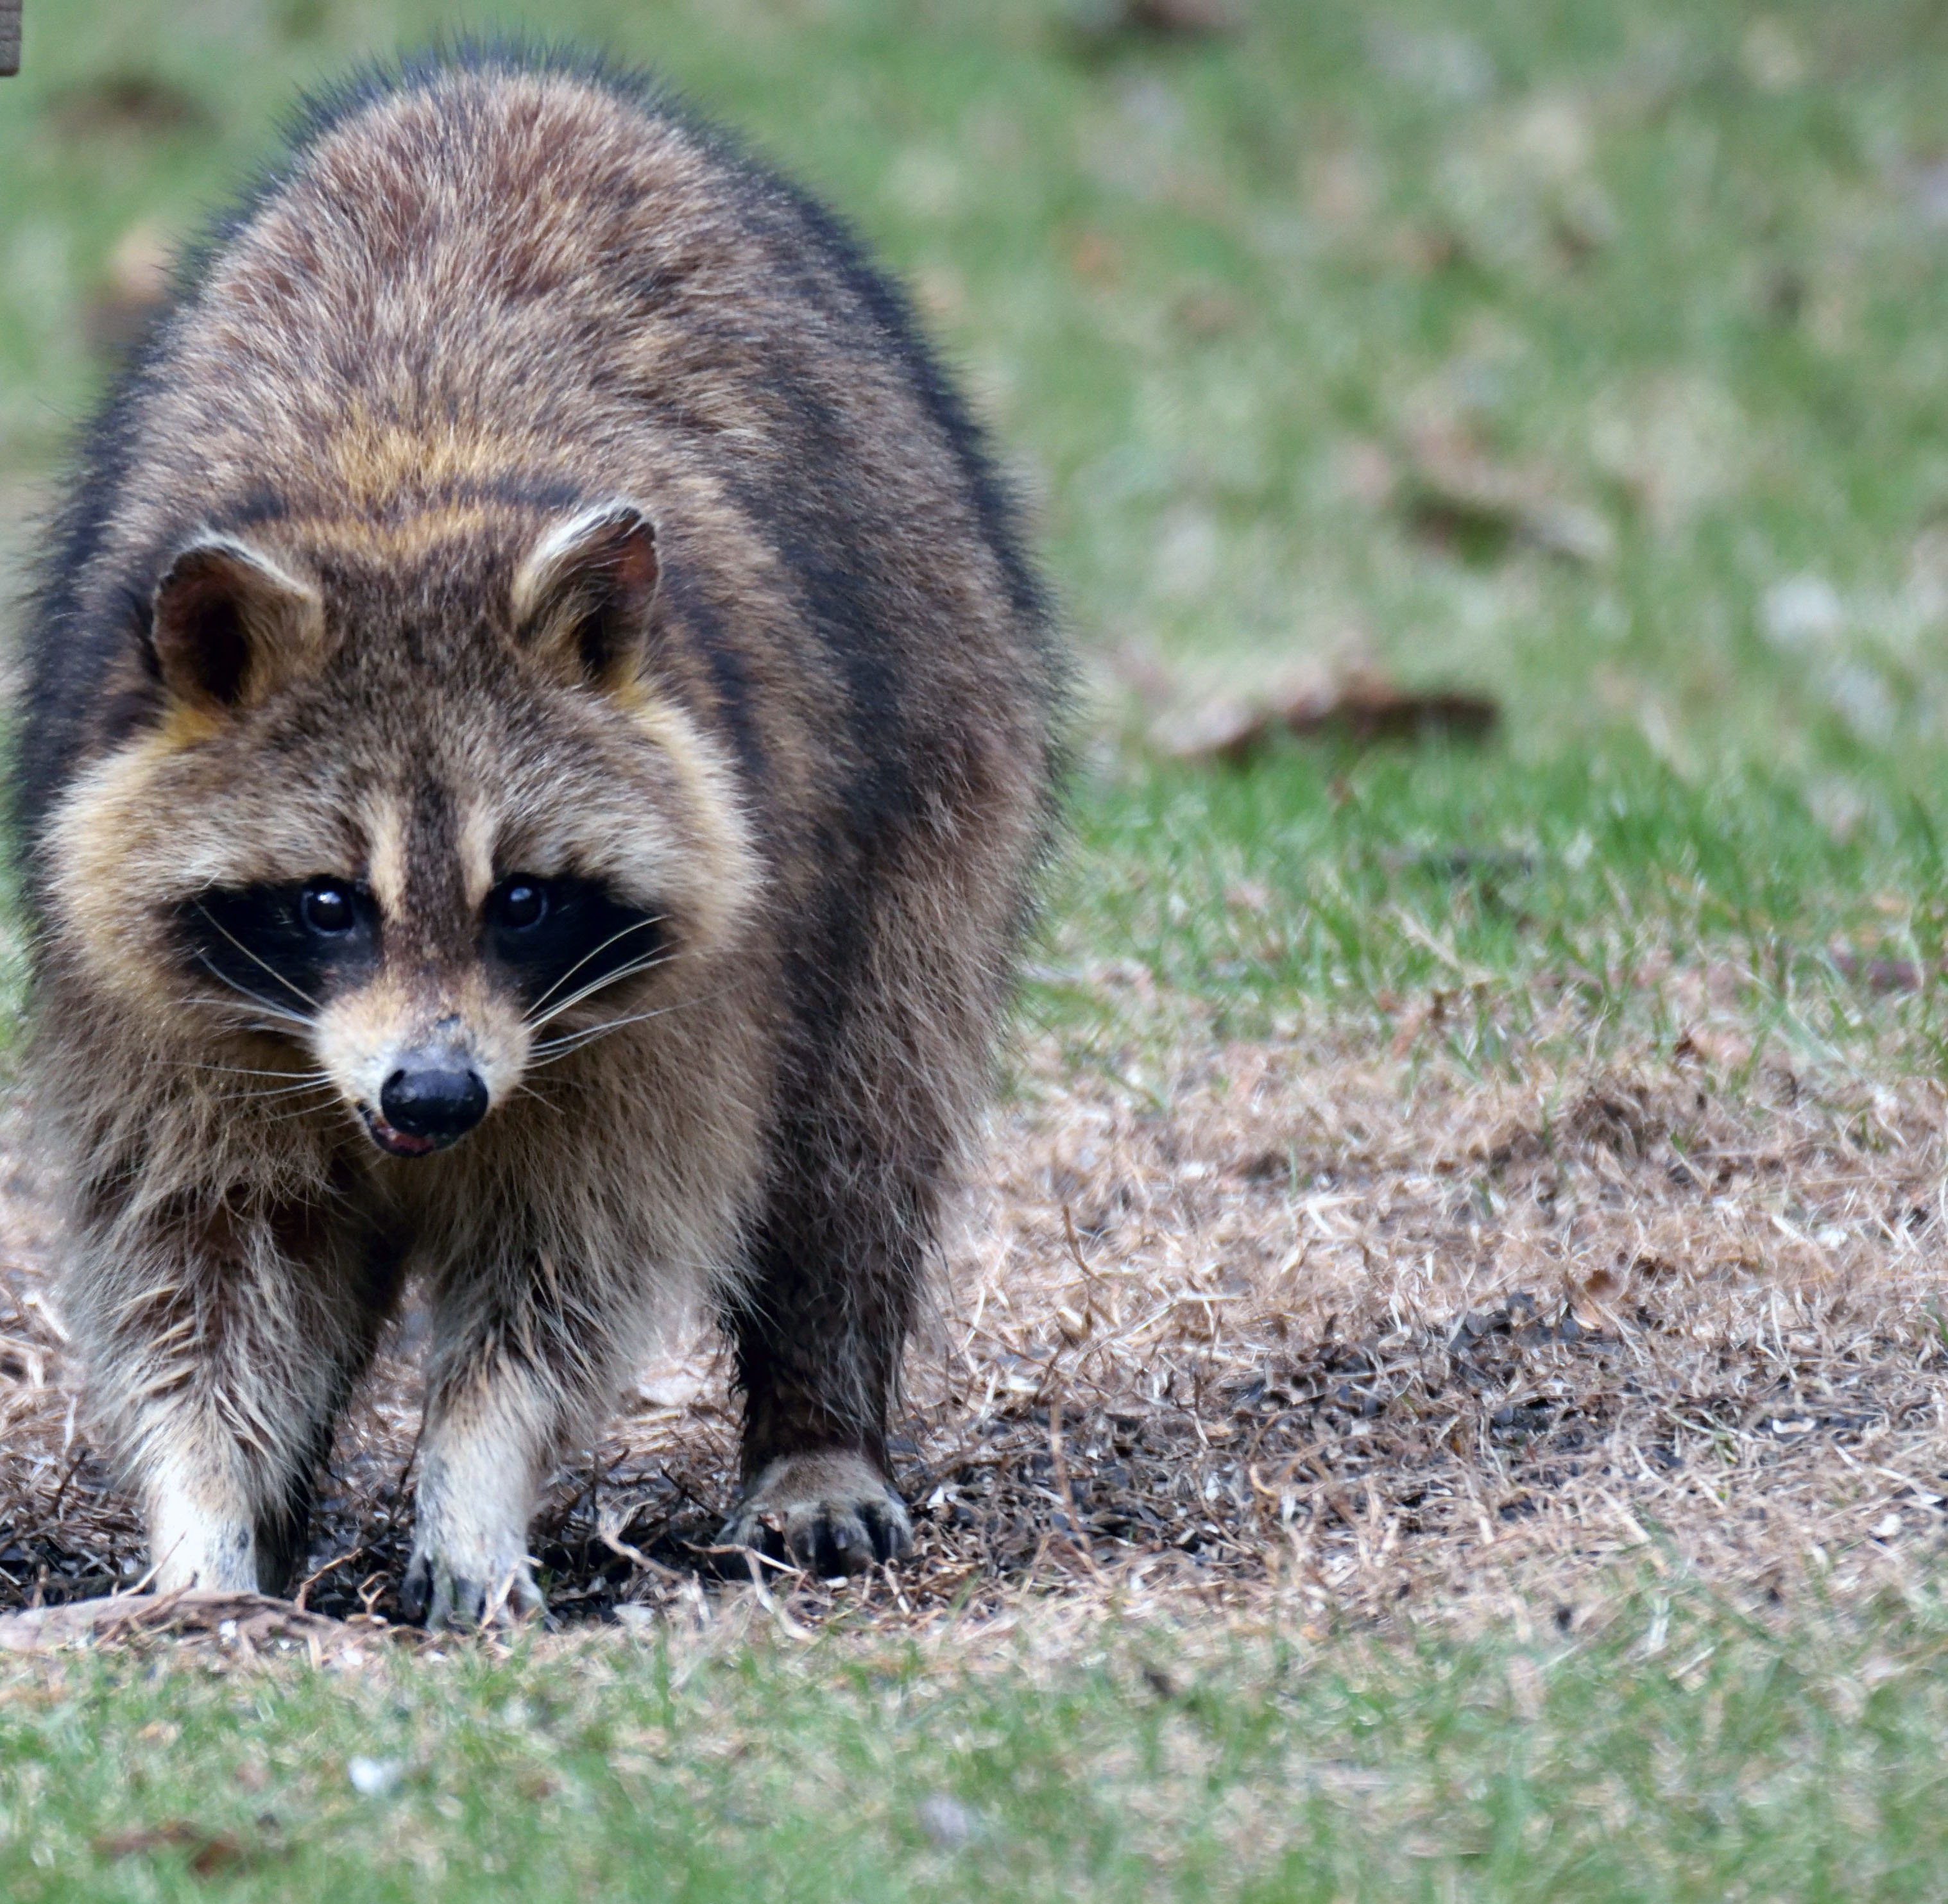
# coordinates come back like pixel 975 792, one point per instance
pixel 551 1050
pixel 310 1095
pixel 244 1071
pixel 255 998
pixel 288 1090
pixel 601 983
pixel 292 1112
pixel 250 1024
pixel 236 1002
pixel 648 963
pixel 302 998
pixel 568 1040
pixel 636 925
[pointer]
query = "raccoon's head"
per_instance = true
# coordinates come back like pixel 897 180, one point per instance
pixel 417 813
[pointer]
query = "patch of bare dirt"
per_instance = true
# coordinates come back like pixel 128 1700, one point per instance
pixel 1326 1332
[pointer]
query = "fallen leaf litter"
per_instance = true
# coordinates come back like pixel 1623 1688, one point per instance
pixel 1328 1333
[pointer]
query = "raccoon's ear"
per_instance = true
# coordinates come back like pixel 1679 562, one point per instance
pixel 582 598
pixel 227 624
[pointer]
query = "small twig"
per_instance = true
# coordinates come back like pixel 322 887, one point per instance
pixel 405 1473
pixel 756 1553
pixel 60 1492
pixel 635 1556
pixel 310 1580
pixel 156 1566
pixel 1078 1537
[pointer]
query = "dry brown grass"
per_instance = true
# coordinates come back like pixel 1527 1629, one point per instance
pixel 1329 1332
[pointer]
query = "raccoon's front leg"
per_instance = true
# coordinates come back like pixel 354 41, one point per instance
pixel 222 1374
pixel 506 1392
pixel 222 1516
pixel 487 1441
pixel 819 1334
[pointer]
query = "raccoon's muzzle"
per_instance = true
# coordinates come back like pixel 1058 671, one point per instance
pixel 432 1100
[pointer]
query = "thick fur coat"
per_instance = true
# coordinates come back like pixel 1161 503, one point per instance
pixel 539 739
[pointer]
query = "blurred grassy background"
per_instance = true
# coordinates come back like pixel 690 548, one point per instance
pixel 1590 356
pixel 1241 305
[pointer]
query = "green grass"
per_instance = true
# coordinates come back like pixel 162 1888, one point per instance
pixel 1689 259
pixel 1680 1753
pixel 1680 263
pixel 1349 890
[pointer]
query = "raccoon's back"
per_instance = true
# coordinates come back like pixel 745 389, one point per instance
pixel 497 285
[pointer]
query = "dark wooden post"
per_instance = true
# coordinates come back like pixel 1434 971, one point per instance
pixel 10 36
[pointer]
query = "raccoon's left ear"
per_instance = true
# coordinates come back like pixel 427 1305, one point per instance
pixel 227 623
pixel 582 598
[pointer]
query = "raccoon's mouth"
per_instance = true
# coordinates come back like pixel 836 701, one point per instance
pixel 400 1143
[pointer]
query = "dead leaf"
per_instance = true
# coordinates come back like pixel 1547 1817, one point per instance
pixel 1434 1845
pixel 1363 708
pixel 1204 313
pixel 137 103
pixel 1181 16
pixel 1365 472
pixel 1878 975
pixel 1102 19
pixel 210 1851
pixel 1427 250
pixel 1458 495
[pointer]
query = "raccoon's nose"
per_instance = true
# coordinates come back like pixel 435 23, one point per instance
pixel 432 1096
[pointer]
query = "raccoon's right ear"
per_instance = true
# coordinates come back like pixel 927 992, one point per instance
pixel 582 598
pixel 227 624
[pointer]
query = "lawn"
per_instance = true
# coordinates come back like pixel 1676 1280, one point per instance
pixel 1440 1391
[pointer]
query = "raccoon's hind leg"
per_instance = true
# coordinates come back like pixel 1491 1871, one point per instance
pixel 819 1331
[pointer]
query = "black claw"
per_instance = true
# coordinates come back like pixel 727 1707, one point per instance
pixel 832 1540
pixel 416 1592
pixel 468 1605
pixel 825 1549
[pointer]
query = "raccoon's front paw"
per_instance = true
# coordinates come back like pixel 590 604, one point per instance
pixel 436 1592
pixel 834 1513
pixel 191 1548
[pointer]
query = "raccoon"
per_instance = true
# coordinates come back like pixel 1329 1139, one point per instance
pixel 539 737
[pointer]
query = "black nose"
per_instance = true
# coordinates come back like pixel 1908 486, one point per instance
pixel 430 1095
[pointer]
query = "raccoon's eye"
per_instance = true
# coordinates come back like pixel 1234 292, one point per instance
pixel 520 904
pixel 327 908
